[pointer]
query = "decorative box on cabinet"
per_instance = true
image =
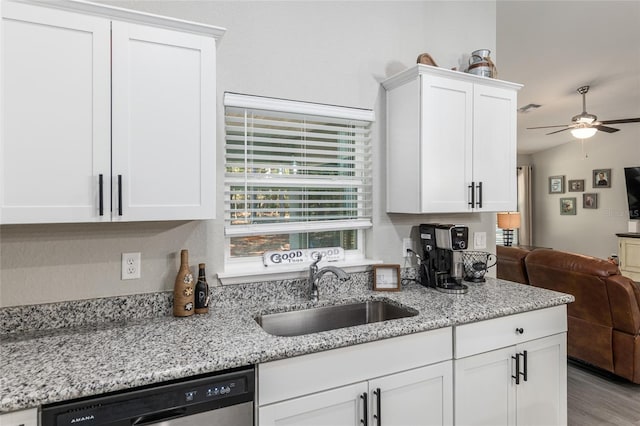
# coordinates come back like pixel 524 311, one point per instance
pixel 629 256
pixel 451 142
pixel 512 370
pixel 362 384
pixel 108 115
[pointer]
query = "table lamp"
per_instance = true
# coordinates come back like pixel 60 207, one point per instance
pixel 508 221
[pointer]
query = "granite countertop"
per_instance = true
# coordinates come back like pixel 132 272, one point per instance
pixel 44 366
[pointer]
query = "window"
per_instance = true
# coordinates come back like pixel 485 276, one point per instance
pixel 297 175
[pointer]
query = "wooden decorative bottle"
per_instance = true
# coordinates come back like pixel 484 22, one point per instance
pixel 183 291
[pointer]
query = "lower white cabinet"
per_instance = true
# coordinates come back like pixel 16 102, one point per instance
pixel 507 371
pixel 521 384
pixel 406 380
pixel 629 257
pixel 417 397
pixel 20 418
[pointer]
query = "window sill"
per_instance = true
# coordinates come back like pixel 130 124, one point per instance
pixel 244 274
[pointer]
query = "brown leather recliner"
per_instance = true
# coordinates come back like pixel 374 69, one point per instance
pixel 604 320
pixel 511 265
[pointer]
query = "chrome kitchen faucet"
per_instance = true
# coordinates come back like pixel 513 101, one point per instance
pixel 315 274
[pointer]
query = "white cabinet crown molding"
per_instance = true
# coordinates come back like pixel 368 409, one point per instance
pixel 414 72
pixel 122 14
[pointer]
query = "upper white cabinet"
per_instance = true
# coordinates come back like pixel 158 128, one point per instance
pixel 108 115
pixel 451 142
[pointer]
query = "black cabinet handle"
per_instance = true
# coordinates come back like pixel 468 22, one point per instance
pixel 517 376
pixel 472 187
pixel 479 195
pixel 378 415
pixel 519 330
pixel 365 409
pixel 524 358
pixel 100 195
pixel 119 195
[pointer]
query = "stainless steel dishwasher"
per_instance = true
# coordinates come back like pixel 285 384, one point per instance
pixel 221 399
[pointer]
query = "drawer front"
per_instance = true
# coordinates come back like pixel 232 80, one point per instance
pixel 483 336
pixel 302 375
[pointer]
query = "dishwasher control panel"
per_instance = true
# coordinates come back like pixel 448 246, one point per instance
pixel 215 390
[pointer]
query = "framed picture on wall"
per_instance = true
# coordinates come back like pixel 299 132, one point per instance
pixel 568 206
pixel 590 201
pixel 576 185
pixel 556 184
pixel 602 178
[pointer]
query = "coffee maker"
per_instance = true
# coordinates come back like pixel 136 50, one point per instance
pixel 441 266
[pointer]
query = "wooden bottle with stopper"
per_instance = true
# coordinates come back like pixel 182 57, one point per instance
pixel 183 297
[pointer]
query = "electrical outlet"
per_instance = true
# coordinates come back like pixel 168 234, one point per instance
pixel 479 240
pixel 406 245
pixel 130 266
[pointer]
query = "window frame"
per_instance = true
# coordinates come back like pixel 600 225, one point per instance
pixel 235 268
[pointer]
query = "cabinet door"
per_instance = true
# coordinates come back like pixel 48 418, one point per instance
pixel 164 124
pixel 423 396
pixel 484 392
pixel 542 398
pixel 20 418
pixel 446 144
pixel 55 116
pixel 494 147
pixel 630 257
pixel 337 407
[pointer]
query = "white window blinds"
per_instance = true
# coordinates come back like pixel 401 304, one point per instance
pixel 295 166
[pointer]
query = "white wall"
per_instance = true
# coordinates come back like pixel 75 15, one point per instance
pixel 590 231
pixel 320 51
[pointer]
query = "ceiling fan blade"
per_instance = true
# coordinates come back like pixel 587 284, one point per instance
pixel 546 127
pixel 606 129
pixel 622 120
pixel 558 131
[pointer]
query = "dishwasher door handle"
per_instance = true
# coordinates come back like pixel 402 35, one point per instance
pixel 160 416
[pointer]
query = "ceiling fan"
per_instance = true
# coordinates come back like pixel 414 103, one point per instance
pixel 585 125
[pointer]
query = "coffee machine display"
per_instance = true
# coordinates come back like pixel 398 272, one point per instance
pixel 442 267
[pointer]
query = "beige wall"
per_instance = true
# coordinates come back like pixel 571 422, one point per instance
pixel 320 51
pixel 590 232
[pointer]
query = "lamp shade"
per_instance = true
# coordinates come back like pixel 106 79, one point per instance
pixel 583 132
pixel 509 220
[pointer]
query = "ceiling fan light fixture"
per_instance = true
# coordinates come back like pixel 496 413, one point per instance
pixel 583 132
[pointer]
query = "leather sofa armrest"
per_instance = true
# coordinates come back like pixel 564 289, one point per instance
pixel 624 300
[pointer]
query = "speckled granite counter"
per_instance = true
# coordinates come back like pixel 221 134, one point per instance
pixel 44 366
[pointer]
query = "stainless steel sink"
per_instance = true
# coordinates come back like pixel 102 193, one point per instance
pixel 313 320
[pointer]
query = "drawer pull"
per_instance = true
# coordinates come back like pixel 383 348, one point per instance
pixel 519 330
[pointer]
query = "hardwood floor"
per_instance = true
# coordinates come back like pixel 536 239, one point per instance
pixel 596 399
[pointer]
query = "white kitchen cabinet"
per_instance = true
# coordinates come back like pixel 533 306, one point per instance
pixel 422 396
pixel 105 120
pixel 344 386
pixel 521 384
pixel 451 142
pixel 629 256
pixel 20 418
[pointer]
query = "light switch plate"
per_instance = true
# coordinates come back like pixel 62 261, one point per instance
pixel 479 240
